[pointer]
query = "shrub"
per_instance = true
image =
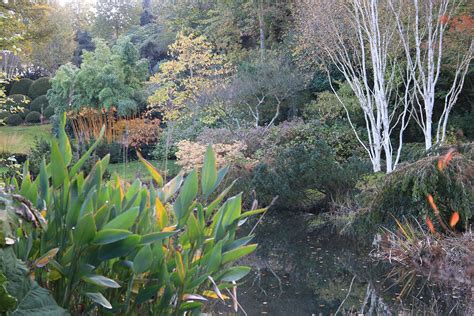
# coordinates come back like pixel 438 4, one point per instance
pixel 113 149
pixel 33 117
pixel 4 114
pixel 39 104
pixel 130 247
pixel 39 87
pixel 190 154
pixel 304 176
pixel 405 191
pixel 17 100
pixel 21 86
pixel 48 112
pixel 40 150
pixel 14 120
pixel 24 113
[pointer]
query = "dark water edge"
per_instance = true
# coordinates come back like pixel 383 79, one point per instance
pixel 302 270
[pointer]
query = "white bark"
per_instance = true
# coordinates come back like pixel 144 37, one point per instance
pixel 370 71
pixel 422 30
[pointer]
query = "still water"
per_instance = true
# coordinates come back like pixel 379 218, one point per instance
pixel 299 269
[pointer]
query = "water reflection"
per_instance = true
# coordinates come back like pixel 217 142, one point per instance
pixel 297 271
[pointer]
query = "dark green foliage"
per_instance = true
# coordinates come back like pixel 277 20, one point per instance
pixel 39 104
pixel 48 112
pixel 114 149
pixel 21 86
pixel 24 113
pixel 304 176
pixel 39 87
pixel 14 120
pixel 84 43
pixel 33 117
pixel 405 191
pixel 18 100
pixel 463 125
pixel 41 149
pixel 4 114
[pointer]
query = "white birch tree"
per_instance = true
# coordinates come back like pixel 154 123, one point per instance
pixel 359 39
pixel 422 25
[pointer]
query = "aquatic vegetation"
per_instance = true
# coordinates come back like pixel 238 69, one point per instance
pixel 127 247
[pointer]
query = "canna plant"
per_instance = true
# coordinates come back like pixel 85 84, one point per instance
pixel 115 247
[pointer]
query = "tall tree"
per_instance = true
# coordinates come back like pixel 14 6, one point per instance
pixel 357 37
pixel 113 17
pixel 422 25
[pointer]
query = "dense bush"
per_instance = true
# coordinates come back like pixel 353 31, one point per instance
pixel 129 247
pixel 113 149
pixel 4 114
pixel 24 113
pixel 21 86
pixel 305 176
pixel 14 120
pixel 39 104
pixel 39 87
pixel 40 150
pixel 33 117
pixel 48 112
pixel 17 100
pixel 405 191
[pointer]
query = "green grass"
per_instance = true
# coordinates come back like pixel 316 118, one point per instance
pixel 135 169
pixel 20 139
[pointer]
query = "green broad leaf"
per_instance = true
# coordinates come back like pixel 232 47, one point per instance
pixel 43 181
pixel 238 243
pixel 77 166
pixel 119 248
pixel 186 195
pixel 187 306
pixel 7 302
pixel 101 281
pixel 253 212
pixel 57 167
pixel 85 230
pixel 209 172
pixel 152 170
pixel 170 188
pixel 107 236
pixel 233 210
pixel 147 293
pixel 214 204
pixel 64 144
pixel 234 274
pixel 32 299
pixel 237 253
pixel 124 220
pixel 215 258
pixel 98 298
pixel 143 260
pixel 154 237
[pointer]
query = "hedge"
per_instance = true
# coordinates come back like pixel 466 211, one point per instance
pixel 21 86
pixel 14 120
pixel 48 112
pixel 39 104
pixel 39 87
pixel 33 117
pixel 18 100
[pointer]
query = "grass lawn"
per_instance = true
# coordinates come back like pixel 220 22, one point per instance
pixel 135 169
pixel 20 139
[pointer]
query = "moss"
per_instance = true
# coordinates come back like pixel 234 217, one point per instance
pixel 21 86
pixel 39 87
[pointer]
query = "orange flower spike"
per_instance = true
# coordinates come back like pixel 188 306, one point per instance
pixel 441 164
pixel 430 225
pixel 432 204
pixel 454 219
pixel 448 157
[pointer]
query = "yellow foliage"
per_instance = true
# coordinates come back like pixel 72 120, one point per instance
pixel 194 69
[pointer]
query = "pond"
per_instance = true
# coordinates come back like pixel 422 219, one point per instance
pixel 300 270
